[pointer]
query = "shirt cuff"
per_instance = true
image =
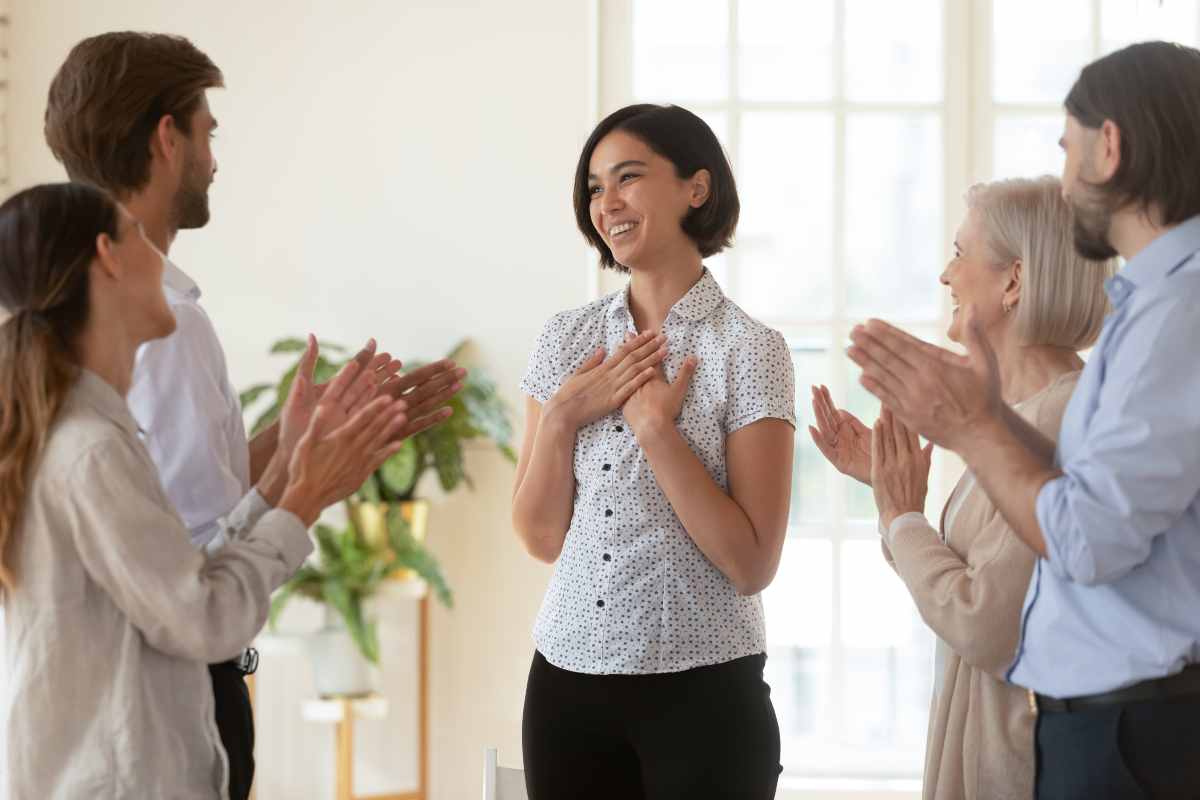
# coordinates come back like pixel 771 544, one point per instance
pixel 912 519
pixel 242 518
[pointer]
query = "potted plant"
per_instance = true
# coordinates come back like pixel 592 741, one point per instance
pixel 388 522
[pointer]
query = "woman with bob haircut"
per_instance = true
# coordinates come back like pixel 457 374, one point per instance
pixel 111 615
pixel 1037 302
pixel 655 474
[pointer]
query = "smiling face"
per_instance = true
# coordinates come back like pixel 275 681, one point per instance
pixel 973 279
pixel 637 201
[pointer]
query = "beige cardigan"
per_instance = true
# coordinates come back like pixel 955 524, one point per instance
pixel 970 592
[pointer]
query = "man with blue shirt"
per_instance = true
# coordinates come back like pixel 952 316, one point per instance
pixel 1110 639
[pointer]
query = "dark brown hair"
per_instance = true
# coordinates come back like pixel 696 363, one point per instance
pixel 110 94
pixel 1151 91
pixel 686 141
pixel 47 243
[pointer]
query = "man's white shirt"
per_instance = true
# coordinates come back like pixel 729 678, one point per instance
pixel 191 421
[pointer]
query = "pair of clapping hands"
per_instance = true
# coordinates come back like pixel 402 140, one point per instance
pixel 631 379
pixel 332 436
pixel 888 458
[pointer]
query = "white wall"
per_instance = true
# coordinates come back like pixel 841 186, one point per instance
pixel 397 169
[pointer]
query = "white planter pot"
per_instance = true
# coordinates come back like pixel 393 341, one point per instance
pixel 339 668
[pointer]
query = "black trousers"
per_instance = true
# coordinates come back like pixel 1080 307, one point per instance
pixel 1137 750
pixel 235 722
pixel 707 732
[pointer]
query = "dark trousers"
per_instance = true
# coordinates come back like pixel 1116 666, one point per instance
pixel 235 722
pixel 707 732
pixel 1137 750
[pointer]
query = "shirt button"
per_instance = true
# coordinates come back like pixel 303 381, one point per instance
pixel 608 512
pixel 619 429
pixel 607 557
pixel 599 604
pixel 606 467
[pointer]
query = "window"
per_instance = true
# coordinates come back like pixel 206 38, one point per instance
pixel 854 128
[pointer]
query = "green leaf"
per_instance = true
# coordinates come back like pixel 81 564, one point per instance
pixel 399 473
pixel 349 606
pixel 448 459
pixel 296 345
pixel 413 555
pixel 290 345
pixel 369 491
pixel 280 600
pixel 248 397
pixel 265 419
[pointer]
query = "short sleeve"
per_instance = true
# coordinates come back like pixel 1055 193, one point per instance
pixel 762 381
pixel 560 349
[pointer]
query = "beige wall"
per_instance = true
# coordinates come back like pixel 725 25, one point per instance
pixel 397 169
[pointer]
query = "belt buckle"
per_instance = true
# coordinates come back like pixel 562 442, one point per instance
pixel 247 662
pixel 1032 700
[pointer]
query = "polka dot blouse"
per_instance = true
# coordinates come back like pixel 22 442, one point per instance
pixel 631 592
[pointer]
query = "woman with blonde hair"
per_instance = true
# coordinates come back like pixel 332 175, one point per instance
pixel 1037 303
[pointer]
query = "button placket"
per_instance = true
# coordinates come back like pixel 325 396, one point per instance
pixel 605 466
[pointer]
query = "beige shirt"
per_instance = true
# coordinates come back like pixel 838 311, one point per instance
pixel 106 692
pixel 969 584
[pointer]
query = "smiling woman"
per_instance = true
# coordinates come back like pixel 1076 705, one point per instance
pixel 658 139
pixel 673 411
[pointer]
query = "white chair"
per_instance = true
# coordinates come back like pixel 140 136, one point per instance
pixel 501 783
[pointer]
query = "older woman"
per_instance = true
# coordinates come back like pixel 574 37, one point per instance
pixel 1037 302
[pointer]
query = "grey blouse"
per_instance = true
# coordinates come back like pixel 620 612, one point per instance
pixel 115 614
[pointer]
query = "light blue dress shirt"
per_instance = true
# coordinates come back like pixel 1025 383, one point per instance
pixel 1117 601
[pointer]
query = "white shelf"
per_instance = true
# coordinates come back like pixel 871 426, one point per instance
pixel 334 710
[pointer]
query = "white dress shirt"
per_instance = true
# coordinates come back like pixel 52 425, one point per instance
pixel 631 592
pixel 105 692
pixel 191 418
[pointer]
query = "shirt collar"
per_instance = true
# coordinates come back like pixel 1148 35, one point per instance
pixel 1159 259
pixel 101 397
pixel 179 281
pixel 702 299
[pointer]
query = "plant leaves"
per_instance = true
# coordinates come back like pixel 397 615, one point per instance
pixel 399 473
pixel 248 397
pixel 298 345
pixel 349 605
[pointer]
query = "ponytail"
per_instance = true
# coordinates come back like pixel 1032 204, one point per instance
pixel 47 243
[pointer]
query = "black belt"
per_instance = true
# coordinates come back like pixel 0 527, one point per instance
pixel 1181 684
pixel 246 663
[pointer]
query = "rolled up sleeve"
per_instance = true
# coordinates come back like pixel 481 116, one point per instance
pixel 1137 469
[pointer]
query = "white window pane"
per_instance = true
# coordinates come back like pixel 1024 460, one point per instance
pixel 799 612
pixel 784 241
pixel 680 50
pixel 1026 146
pixel 887 658
pixel 800 683
pixel 799 602
pixel 786 50
pixel 860 499
pixel 894 51
pixel 876 608
pixel 1038 48
pixel 719 122
pixel 893 235
pixel 810 471
pixel 1123 22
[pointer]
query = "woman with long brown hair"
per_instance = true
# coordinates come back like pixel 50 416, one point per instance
pixel 110 614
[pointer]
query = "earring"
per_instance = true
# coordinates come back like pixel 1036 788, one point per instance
pixel 1007 308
